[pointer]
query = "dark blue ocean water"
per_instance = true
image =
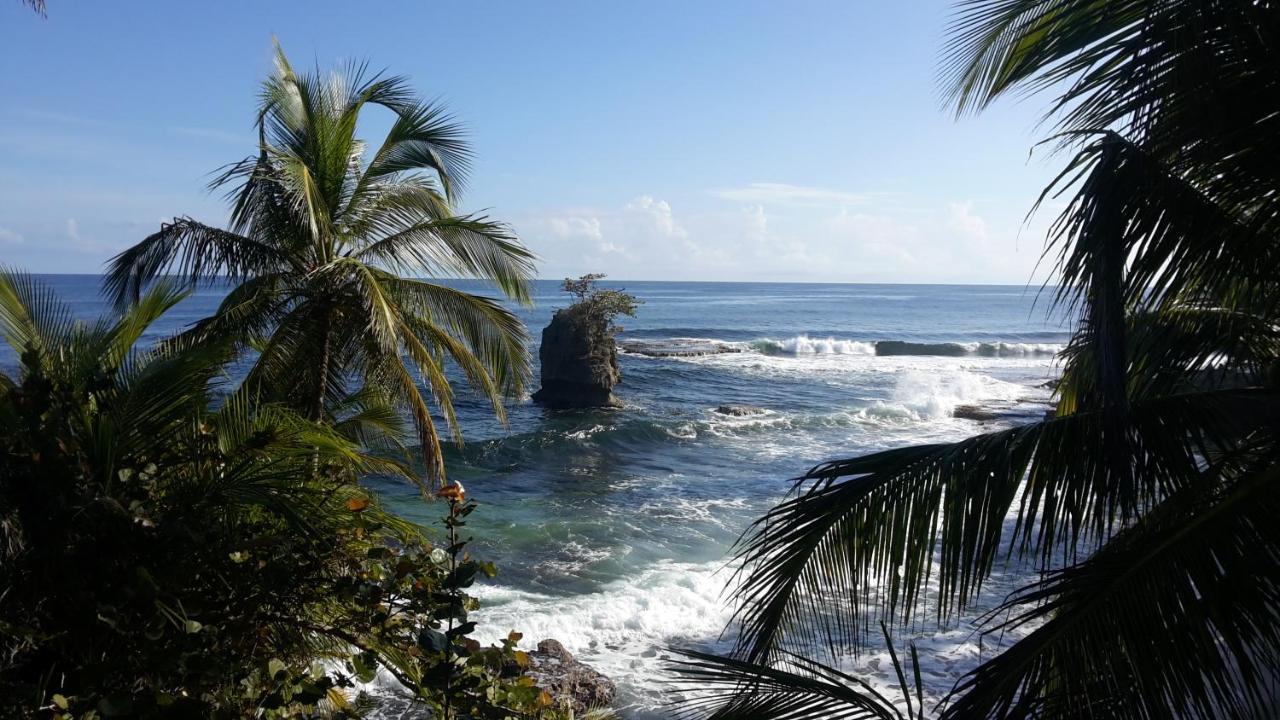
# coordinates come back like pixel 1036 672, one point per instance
pixel 610 527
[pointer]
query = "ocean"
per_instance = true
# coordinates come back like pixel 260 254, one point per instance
pixel 611 528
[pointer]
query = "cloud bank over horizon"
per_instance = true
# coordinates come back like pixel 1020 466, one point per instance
pixel 782 232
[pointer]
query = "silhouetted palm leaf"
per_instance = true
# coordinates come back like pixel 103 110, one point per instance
pixel 1146 502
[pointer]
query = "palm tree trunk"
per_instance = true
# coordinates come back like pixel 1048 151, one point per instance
pixel 322 384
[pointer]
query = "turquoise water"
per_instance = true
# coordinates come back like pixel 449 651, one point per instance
pixel 610 527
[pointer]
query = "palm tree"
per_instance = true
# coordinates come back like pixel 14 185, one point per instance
pixel 323 239
pixel 1147 504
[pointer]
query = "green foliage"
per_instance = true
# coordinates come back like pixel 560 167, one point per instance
pixel 597 309
pixel 1147 503
pixel 170 551
pixel 327 241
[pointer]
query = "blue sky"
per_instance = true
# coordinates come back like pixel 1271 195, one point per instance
pixel 796 141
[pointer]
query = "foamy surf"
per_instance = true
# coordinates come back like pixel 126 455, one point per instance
pixel 624 629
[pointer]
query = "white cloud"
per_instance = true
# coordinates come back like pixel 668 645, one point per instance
pixel 9 237
pixel 573 226
pixel 73 230
pixel 784 194
pixel 656 215
pixel 895 240
pixel 962 219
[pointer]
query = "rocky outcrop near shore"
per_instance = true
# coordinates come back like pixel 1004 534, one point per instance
pixel 569 681
pixel 678 347
pixel 578 370
pixel 1017 413
pixel 740 410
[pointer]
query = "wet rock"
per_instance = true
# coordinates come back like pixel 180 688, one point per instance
pixel 579 367
pixel 569 681
pixel 678 348
pixel 1023 411
pixel 975 412
pixel 740 410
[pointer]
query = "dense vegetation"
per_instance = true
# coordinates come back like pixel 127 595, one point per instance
pixel 1149 502
pixel 596 309
pixel 175 544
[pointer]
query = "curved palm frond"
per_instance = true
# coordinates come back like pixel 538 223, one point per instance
pixel 318 240
pixel 486 338
pixel 1104 646
pixel 816 563
pixel 196 251
pixel 416 237
pixel 722 688
pixel 1167 256
pixel 32 318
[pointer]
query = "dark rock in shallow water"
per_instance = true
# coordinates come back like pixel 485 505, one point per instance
pixel 975 412
pixel 740 410
pixel 578 370
pixel 1023 411
pixel 568 680
pixel 678 348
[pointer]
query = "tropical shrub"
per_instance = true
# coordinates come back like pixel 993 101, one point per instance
pixel 169 550
pixel 597 309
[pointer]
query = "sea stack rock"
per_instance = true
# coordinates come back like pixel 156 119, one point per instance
pixel 579 365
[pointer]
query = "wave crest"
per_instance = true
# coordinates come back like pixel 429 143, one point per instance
pixel 805 345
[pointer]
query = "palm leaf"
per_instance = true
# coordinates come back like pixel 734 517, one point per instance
pixel 1104 644
pixel 816 563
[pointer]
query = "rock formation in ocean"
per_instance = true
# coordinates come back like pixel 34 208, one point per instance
pixel 579 366
pixel 569 681
pixel 740 410
pixel 579 351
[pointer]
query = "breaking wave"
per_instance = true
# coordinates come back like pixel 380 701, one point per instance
pixel 805 345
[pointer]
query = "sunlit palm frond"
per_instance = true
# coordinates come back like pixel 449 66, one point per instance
pixel 31 315
pixel 425 136
pixel 318 240
pixel 490 333
pixel 454 246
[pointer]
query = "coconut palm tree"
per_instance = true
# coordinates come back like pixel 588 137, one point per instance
pixel 1147 504
pixel 323 242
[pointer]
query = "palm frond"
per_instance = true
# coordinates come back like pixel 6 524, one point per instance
pixel 455 246
pixel 194 252
pixel 425 136
pixel 816 563
pixel 725 688
pixel 31 315
pixel 1107 643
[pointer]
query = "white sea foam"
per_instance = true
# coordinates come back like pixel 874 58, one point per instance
pixel 805 345
pixel 622 630
pixel 935 395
